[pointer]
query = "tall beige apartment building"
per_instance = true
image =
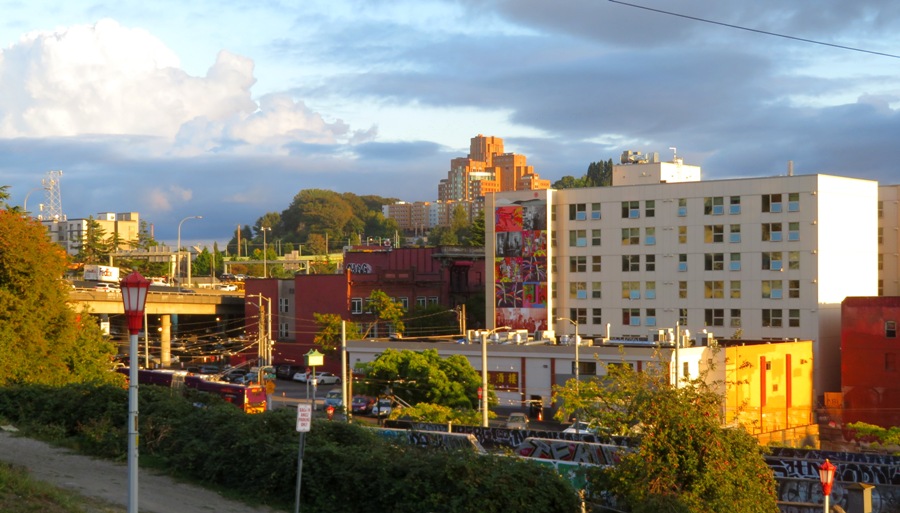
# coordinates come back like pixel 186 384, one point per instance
pixel 755 258
pixel 889 240
pixel 71 233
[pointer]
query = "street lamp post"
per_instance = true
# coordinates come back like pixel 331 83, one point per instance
pixel 826 476
pixel 484 373
pixel 178 249
pixel 134 298
pixel 265 256
pixel 25 204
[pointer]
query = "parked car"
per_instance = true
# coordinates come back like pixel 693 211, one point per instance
pixel 382 408
pixel 107 287
pixel 301 376
pixel 322 378
pixel 362 404
pixel 517 420
pixel 335 398
pixel 580 427
pixel 226 287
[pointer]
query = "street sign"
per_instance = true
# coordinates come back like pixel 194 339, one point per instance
pixel 270 387
pixel 304 417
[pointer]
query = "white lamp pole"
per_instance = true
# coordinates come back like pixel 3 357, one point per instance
pixel 484 373
pixel 178 249
pixel 134 297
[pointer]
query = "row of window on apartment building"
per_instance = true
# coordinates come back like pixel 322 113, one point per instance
pixel 359 305
pixel 712 317
pixel 769 261
pixel 714 205
pixel 712 234
pixel 713 289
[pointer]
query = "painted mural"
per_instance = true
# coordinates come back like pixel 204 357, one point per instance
pixel 520 264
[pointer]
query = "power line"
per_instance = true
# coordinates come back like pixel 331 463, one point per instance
pixel 704 20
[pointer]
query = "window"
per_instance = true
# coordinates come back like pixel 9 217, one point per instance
pixel 735 263
pixel 794 260
pixel 890 329
pixel 771 232
pixel 682 207
pixel 650 208
pixel 771 318
pixel 794 202
pixel 714 289
pixel 283 304
pixel 683 316
pixel 735 318
pixel 578 238
pixel 651 317
pixel 713 233
pixel 597 316
pixel 577 212
pixel 577 290
pixel 735 289
pixel 650 262
pixel 650 236
pixel 631 210
pixel 771 203
pixel 631 236
pixel 596 292
pixel 714 206
pixel 794 289
pixel 771 261
pixel 596 265
pixel 356 305
pixel 631 290
pixel 880 209
pixel 880 261
pixel 432 300
pixel 794 318
pixel 421 301
pixel 650 290
pixel 283 330
pixel 880 235
pixel 890 362
pixel 771 289
pixel 631 263
pixel 577 264
pixel 682 290
pixel 734 233
pixel 595 237
pixel 734 206
pixel 404 302
pixel 682 234
pixel 631 316
pixel 793 231
pixel 714 317
pixel 579 314
pixel 714 261
pixel 682 263
pixel 595 211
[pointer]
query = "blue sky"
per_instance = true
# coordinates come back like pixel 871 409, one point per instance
pixel 229 109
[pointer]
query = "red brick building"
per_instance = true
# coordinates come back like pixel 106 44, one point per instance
pixel 870 367
pixel 416 277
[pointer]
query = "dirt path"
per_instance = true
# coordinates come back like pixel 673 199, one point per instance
pixel 108 482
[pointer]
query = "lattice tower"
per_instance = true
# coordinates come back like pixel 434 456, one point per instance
pixel 54 198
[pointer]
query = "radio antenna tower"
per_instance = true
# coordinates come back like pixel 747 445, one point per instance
pixel 54 198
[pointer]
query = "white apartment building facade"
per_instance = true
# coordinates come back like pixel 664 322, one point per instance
pixel 757 258
pixel 889 240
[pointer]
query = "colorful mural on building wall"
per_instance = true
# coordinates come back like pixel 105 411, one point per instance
pixel 521 265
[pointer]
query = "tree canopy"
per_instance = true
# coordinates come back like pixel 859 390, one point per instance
pixel 42 339
pixel 599 174
pixel 684 460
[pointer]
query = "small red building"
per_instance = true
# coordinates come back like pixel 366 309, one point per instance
pixel 870 368
pixel 416 277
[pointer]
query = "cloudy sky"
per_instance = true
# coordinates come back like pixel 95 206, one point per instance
pixel 227 109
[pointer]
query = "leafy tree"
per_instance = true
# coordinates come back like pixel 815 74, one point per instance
pixel 476 230
pixel 568 182
pixel 42 339
pixel 95 247
pixel 329 335
pixel 599 174
pixel 424 377
pixel 387 310
pixel 685 460
pixel 315 245
pixel 242 235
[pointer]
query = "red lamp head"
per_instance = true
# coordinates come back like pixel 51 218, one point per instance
pixel 826 476
pixel 134 297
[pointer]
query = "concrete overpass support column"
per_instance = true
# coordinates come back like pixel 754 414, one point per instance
pixel 165 340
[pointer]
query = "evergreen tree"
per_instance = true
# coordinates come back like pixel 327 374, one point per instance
pixel 95 247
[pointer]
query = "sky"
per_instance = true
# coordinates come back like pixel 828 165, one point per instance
pixel 228 109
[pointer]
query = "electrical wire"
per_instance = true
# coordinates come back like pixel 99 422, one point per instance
pixel 758 31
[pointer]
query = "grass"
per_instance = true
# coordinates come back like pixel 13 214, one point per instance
pixel 19 493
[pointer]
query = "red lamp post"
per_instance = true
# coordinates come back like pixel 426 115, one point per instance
pixel 826 476
pixel 134 296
